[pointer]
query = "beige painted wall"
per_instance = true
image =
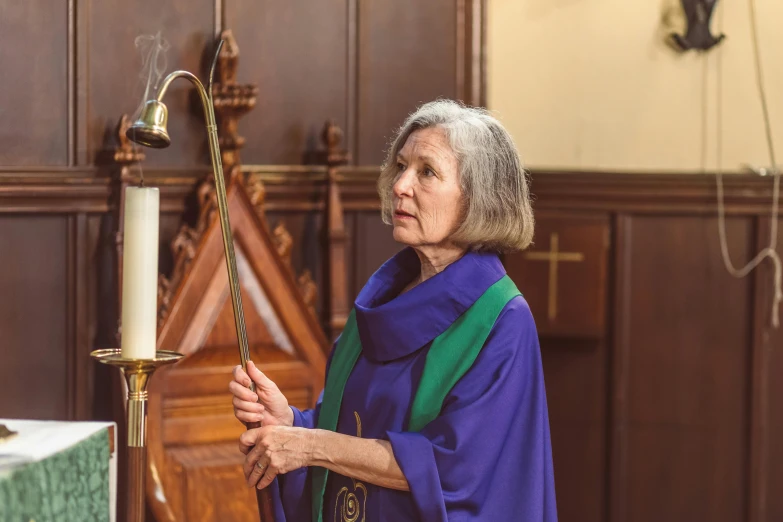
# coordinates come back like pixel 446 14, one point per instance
pixel 589 84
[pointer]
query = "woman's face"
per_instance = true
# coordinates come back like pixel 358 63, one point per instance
pixel 427 193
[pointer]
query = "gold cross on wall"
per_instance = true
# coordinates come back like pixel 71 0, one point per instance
pixel 554 256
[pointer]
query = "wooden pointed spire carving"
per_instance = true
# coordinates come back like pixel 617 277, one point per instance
pixel 232 101
pixel 191 429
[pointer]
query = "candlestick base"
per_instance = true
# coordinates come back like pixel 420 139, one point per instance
pixel 137 373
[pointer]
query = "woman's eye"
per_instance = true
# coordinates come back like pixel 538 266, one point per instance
pixel 428 172
pixel 400 167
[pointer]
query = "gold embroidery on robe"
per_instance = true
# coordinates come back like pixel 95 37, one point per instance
pixel 349 506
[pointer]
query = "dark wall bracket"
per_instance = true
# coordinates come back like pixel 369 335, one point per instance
pixel 697 35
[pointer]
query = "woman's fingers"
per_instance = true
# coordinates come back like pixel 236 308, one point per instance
pixel 251 407
pixel 242 393
pixel 255 472
pixel 247 441
pixel 248 417
pixel 269 476
pixel 246 405
pixel 250 443
pixel 241 377
pixel 261 380
pixel 259 472
pixel 258 467
pixel 255 464
pixel 245 449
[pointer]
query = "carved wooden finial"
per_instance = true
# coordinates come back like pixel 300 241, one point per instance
pixel 337 307
pixel 165 294
pixel 231 101
pixel 229 56
pixel 309 290
pixel 207 203
pixel 284 242
pixel 257 192
pixel 126 152
pixel 332 137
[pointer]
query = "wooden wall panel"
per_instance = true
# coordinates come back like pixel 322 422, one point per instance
pixel 372 246
pixel 570 252
pixel 296 52
pixel 115 86
pixel 766 420
pixel 770 447
pixel 100 380
pixel 78 270
pixel 577 384
pixel 407 56
pixel 104 283
pixel 34 343
pixel 34 83
pixel 682 368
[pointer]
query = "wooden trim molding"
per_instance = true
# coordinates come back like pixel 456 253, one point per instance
pixel 471 51
pixel 461 36
pixel 55 191
pixel 656 192
pixel 79 150
pixel 84 189
pixel 759 396
pixel 71 82
pixel 303 188
pixel 352 76
pixel 618 432
pixel 79 373
pixel 219 11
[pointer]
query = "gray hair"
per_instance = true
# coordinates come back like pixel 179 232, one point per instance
pixel 498 214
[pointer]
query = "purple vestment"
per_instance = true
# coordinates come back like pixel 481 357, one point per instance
pixel 487 456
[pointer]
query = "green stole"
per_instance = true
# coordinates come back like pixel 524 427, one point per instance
pixel 450 356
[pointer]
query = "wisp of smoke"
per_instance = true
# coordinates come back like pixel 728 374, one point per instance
pixel 153 50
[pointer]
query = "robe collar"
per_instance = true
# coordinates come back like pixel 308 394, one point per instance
pixel 392 326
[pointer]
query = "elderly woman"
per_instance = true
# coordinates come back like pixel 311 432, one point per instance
pixel 434 406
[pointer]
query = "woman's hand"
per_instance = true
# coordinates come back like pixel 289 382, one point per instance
pixel 267 406
pixel 273 451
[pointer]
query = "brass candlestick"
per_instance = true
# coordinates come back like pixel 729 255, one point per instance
pixel 137 374
pixel 150 130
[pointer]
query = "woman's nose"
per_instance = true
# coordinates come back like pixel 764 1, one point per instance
pixel 404 184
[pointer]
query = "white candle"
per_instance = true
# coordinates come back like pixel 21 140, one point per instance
pixel 140 273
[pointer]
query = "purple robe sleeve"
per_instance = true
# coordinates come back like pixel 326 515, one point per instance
pixel 306 418
pixel 488 455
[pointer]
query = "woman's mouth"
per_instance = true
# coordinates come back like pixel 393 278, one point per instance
pixel 401 214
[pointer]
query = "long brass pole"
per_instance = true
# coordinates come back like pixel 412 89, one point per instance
pixel 220 189
pixel 263 496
